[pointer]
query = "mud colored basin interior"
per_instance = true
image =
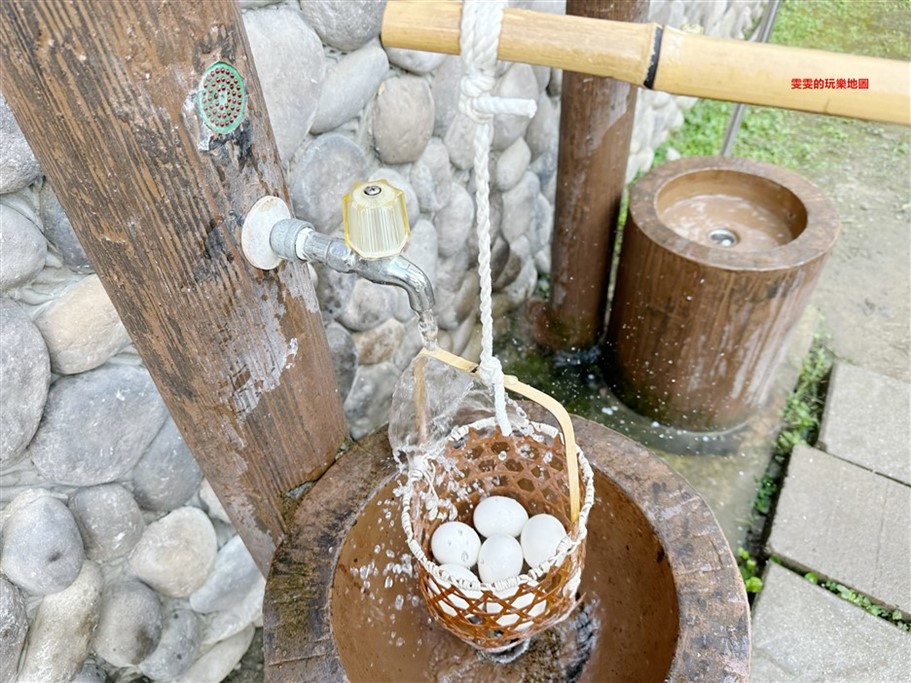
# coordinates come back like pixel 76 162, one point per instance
pixel 661 597
pixel 718 261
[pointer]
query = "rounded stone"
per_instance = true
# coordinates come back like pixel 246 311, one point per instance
pixel 42 549
pixel 25 368
pixel 91 673
pixel 244 612
pixel 176 649
pixel 61 634
pixel 167 475
pixel 18 165
pixel 446 92
pixel 518 82
pixel 459 141
pixel 23 247
pixel 431 176
pixel 129 628
pixel 344 357
pixel 216 663
pixel 59 231
pixel 367 405
pixel 290 65
pixel 109 519
pixel 323 174
pixel 349 86
pixel 454 222
pixel 543 132
pixel 346 25
pixel 13 628
pixel 519 207
pixel 421 249
pixel 176 553
pixel 398 181
pixel 97 425
pixel 416 61
pixel 511 165
pixel 403 119
pixel 234 574
pixel 378 344
pixel 369 305
pixel 81 328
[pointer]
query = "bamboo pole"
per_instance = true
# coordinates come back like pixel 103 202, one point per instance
pixel 105 94
pixel 673 61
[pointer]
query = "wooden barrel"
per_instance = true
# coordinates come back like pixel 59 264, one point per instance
pixel 661 597
pixel 719 259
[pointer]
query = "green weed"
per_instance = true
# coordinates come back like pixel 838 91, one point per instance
pixel 861 600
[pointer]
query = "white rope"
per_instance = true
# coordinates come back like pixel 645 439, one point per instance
pixel 479 39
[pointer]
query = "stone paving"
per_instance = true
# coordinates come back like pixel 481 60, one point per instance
pixel 845 514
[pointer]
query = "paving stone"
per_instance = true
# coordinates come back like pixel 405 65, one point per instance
pixel 847 524
pixel 802 632
pixel 868 421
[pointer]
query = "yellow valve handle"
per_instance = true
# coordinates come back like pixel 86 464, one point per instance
pixel 375 218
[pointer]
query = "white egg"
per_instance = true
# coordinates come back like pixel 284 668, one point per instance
pixel 500 558
pixel 521 602
pixel 540 537
pixel 499 515
pixel 457 571
pixel 455 543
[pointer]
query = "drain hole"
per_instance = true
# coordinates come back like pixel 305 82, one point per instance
pixel 724 237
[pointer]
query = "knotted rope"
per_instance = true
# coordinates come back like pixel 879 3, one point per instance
pixel 479 40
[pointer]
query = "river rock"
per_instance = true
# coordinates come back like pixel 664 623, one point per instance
pixel 167 475
pixel 63 629
pixel 511 165
pixel 18 165
pixel 367 405
pixel 177 648
pixel 416 61
pixel 348 86
pixel 23 246
pixel 454 222
pixel 344 357
pixel 176 553
pixel 60 233
pixel 518 82
pixel 234 574
pixel 403 119
pixel 290 65
pixel 446 91
pixel 431 176
pixel 369 305
pixel 459 141
pixel 543 132
pixel 421 249
pixel 13 627
pixel 345 25
pixel 25 368
pixel 409 346
pixel 42 549
pixel 91 673
pixel 397 180
pixel 81 328
pixel 524 285
pixel 379 343
pixel 130 626
pixel 519 207
pixel 215 665
pixel 322 176
pixel 97 425
pixel 543 231
pixel 454 306
pixel 109 519
pixel 247 609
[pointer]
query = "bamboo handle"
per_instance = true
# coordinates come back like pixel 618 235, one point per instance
pixel 547 402
pixel 670 60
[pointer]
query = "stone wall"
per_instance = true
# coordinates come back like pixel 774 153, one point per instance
pixel 116 554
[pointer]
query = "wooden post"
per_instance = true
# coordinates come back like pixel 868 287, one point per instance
pixel 596 124
pixel 105 93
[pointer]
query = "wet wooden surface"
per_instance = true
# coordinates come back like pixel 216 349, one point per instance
pixel 105 94
pixel 696 332
pixel 596 125
pixel 654 551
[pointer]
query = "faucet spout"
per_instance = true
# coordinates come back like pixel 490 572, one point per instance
pixel 296 240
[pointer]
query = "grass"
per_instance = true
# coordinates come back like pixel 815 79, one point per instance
pixel 855 598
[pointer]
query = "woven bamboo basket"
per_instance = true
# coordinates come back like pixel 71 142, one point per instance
pixel 543 469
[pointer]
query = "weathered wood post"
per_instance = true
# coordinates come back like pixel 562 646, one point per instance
pixel 596 124
pixel 105 92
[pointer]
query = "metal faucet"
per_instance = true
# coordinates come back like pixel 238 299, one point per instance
pixel 376 231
